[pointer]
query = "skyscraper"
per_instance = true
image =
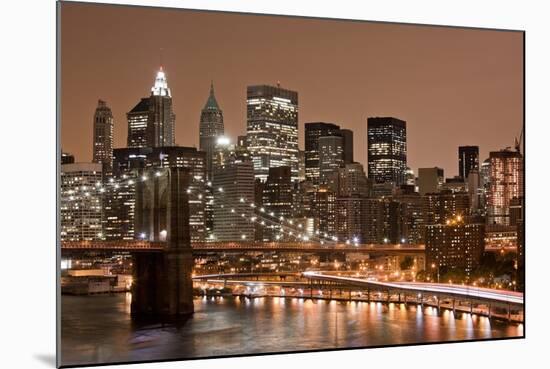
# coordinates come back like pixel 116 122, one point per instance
pixel 103 136
pixel 277 196
pixel 211 127
pixel 232 216
pixel 506 182
pixel 468 159
pixel 161 122
pixel 387 150
pixel 151 123
pixel 313 131
pixel 272 129
pixel 331 157
pixel 347 141
pixel 137 124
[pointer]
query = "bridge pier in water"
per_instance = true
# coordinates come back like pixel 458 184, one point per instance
pixel 162 284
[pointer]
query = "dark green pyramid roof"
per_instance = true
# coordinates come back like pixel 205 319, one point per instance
pixel 211 103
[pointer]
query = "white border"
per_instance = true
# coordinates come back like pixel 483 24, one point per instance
pixel 28 180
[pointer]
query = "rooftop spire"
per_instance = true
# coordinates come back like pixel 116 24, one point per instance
pixel 160 88
pixel 211 103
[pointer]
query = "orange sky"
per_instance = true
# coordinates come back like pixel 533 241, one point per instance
pixel 453 86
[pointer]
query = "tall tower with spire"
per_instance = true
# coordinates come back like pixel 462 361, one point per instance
pixel 211 128
pixel 151 123
pixel 103 136
pixel 161 122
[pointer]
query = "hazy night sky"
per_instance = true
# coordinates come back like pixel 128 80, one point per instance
pixel 452 86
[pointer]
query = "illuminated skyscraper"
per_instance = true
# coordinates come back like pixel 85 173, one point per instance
pixel 103 136
pixel 313 131
pixel 387 150
pixel 272 129
pixel 161 123
pixel 151 123
pixel 468 159
pixel 137 124
pixel 211 127
pixel 233 187
pixel 506 182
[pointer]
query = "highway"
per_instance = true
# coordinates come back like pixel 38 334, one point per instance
pixel 487 294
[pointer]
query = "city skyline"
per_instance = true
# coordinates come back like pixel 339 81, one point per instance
pixel 190 88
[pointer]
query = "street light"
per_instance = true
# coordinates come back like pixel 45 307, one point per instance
pixel 433 267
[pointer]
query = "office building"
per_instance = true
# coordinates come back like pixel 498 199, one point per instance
pixel 151 122
pixel 387 150
pixel 468 160
pixel 352 181
pixel 103 136
pixel 211 128
pixel 506 182
pixel 313 131
pixel 277 197
pixel 331 157
pixel 81 206
pixel 272 129
pixel 430 180
pixel 233 187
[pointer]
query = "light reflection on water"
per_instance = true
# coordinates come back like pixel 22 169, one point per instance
pixel 99 329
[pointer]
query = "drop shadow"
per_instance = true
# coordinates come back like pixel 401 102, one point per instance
pixel 48 359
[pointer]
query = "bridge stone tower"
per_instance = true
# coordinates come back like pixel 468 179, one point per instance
pixel 162 281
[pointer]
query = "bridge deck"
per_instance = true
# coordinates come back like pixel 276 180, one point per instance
pixel 460 291
pixel 205 247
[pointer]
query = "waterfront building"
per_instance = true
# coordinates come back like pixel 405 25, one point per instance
pixel 81 206
pixel 119 199
pixel 272 129
pixel 456 244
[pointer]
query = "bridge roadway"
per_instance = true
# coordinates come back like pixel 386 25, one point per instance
pixel 450 290
pixel 442 290
pixel 205 247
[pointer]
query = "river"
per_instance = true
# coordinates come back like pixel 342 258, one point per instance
pixel 98 329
